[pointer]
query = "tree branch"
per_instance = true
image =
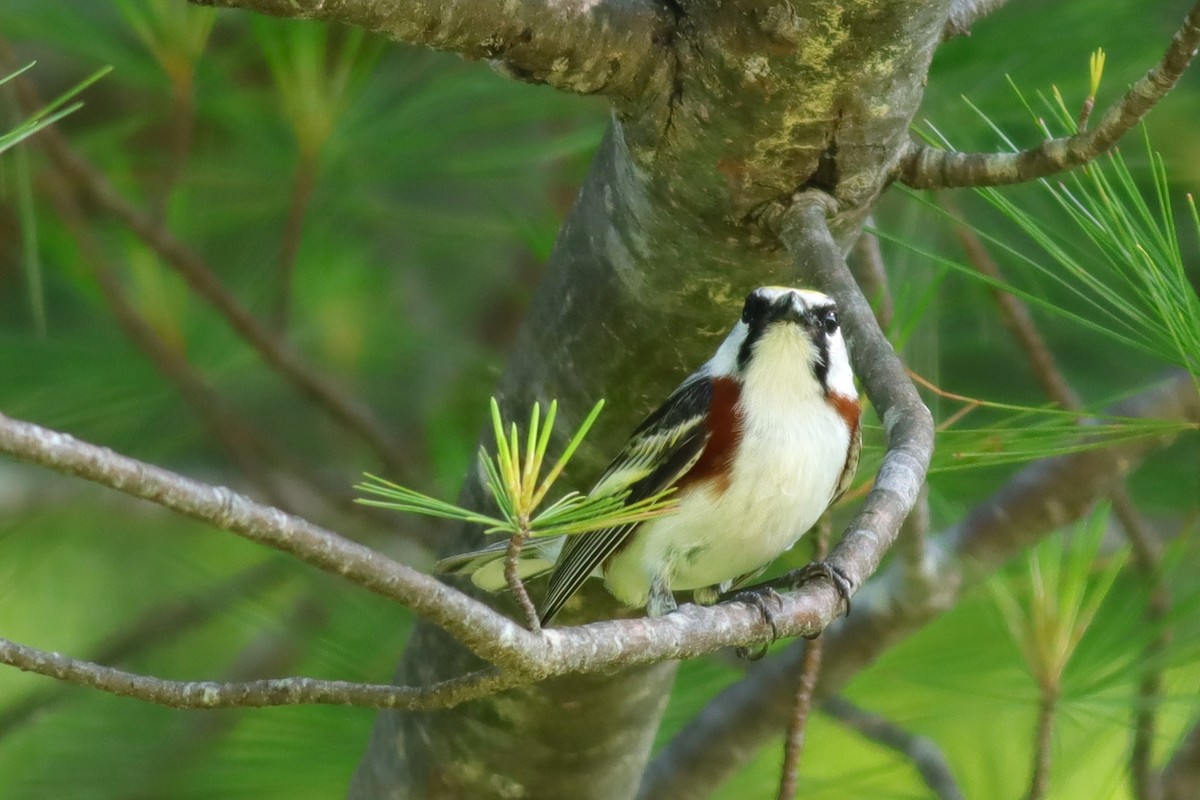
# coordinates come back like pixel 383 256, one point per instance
pixel 925 167
pixel 928 759
pixel 253 694
pixel 483 630
pixel 157 626
pixel 240 441
pixel 1039 499
pixel 1043 741
pixel 866 264
pixel 689 632
pixel 611 47
pixel 906 420
pixel 806 684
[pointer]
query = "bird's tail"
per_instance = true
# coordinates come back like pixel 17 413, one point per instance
pixel 486 565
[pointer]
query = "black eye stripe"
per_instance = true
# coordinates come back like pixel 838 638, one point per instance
pixel 760 308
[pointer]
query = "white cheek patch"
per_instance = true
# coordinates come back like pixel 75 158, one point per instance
pixel 724 361
pixel 839 378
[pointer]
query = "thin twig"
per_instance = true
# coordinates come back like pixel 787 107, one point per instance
pixel 928 759
pixel 925 167
pixel 1016 317
pixel 293 231
pixel 806 684
pixel 1146 782
pixel 155 628
pixel 512 574
pixel 181 123
pixel 253 455
pixel 254 694
pixel 1043 738
pixel 239 440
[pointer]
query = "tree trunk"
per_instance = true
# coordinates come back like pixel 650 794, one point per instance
pixel 763 99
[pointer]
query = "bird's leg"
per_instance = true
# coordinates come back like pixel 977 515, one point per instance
pixel 660 602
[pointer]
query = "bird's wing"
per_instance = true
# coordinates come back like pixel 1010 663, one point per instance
pixel 851 467
pixel 662 449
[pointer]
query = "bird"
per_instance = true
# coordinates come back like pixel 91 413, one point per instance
pixel 757 443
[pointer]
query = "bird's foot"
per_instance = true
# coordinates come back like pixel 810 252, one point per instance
pixel 823 569
pixel 762 598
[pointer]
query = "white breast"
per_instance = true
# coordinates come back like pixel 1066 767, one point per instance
pixel 792 453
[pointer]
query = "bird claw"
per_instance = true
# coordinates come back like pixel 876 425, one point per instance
pixel 823 569
pixel 762 599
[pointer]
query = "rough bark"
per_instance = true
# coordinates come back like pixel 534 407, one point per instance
pixel 611 47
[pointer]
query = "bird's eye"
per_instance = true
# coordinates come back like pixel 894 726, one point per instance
pixel 829 321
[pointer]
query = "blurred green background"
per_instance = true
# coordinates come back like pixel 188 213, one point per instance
pixel 437 188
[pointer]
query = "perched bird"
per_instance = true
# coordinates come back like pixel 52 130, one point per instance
pixel 758 442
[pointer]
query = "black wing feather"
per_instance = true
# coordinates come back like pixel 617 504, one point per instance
pixel 685 411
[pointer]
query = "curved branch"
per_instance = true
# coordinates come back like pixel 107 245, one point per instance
pixel 925 167
pixel 611 47
pixel 484 631
pixel 907 421
pixel 689 632
pixel 253 694
pixel 1039 499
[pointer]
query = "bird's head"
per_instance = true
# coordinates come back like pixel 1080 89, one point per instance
pixel 787 332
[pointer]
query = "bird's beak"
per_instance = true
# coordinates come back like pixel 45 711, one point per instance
pixel 790 308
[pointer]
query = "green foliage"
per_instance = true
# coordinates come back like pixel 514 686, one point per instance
pixel 518 487
pixel 176 34
pixel 316 77
pixel 440 190
pixel 1132 282
pixel 1068 580
pixel 50 113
